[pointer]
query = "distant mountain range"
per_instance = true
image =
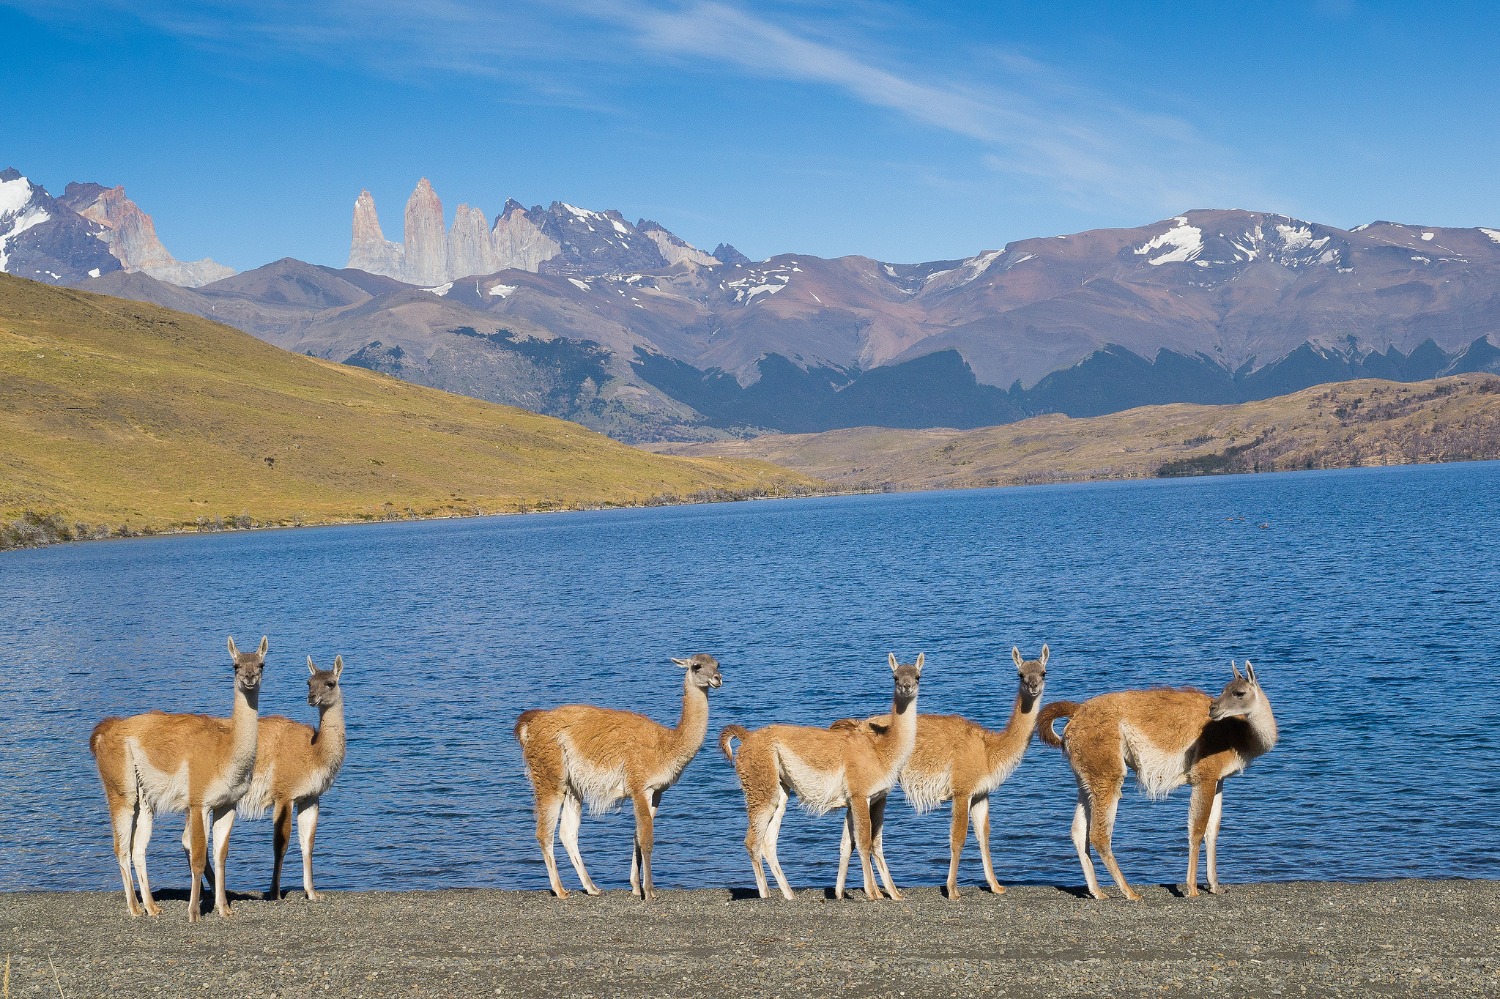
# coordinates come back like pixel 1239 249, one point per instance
pixel 631 330
pixel 90 231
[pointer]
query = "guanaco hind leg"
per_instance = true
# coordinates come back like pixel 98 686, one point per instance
pixel 979 815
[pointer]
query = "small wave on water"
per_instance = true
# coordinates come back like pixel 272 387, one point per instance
pixel 1369 605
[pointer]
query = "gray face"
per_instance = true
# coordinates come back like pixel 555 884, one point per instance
pixel 323 684
pixel 1033 672
pixel 908 676
pixel 248 667
pixel 1237 699
pixel 322 688
pixel 703 669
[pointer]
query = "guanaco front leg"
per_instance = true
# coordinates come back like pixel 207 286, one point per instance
pixel 859 809
pixel 645 820
pixel 307 832
pixel 223 824
pixel 877 822
pixel 846 847
pixel 1214 818
pixel 958 831
pixel 1200 809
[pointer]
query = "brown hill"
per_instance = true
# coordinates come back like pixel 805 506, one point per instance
pixel 1366 422
pixel 138 418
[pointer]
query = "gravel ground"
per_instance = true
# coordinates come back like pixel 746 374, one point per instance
pixel 1319 939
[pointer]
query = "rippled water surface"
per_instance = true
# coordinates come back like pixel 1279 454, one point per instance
pixel 1368 600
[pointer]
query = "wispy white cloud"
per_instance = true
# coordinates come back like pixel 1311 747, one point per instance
pixel 1026 120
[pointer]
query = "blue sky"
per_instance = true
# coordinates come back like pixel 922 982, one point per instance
pixel 899 130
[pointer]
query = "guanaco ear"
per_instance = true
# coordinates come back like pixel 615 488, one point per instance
pixel 311 669
pixel 684 663
pixel 892 657
pixel 1045 653
pixel 232 650
pixel 262 650
pixel 338 666
pixel 1015 653
pixel 921 658
pixel 1250 673
pixel 1234 666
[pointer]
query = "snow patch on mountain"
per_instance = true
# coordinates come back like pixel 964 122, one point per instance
pixel 502 290
pixel 17 213
pixel 1181 243
pixel 441 289
pixel 1493 234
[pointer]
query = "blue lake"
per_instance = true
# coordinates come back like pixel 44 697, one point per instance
pixel 1369 603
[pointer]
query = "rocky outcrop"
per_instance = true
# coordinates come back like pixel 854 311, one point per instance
pixel 730 255
pixel 426 242
pixel 519 242
pixel 369 250
pixel 44 240
pixel 469 247
pixel 558 239
pixel 130 235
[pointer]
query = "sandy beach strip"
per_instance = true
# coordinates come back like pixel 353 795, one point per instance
pixel 1317 939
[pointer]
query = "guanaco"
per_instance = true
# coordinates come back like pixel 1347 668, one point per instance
pixel 1169 738
pixel 960 761
pixel 848 768
pixel 579 753
pixel 180 763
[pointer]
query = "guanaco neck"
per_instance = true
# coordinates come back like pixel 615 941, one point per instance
pixel 692 725
pixel 244 728
pixel 895 745
pixel 329 741
pixel 1004 747
pixel 1262 724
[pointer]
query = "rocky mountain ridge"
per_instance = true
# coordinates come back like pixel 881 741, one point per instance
pixel 629 329
pixel 91 230
pixel 560 239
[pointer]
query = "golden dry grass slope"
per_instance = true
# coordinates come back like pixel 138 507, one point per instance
pixel 119 413
pixel 1366 422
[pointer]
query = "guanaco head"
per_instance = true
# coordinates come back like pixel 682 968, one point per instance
pixel 323 684
pixel 908 675
pixel 1240 697
pixel 702 669
pixel 1033 671
pixel 248 665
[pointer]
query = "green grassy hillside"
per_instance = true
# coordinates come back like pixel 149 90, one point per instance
pixel 1366 422
pixel 117 415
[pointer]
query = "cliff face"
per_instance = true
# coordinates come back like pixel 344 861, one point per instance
pixel 369 250
pixel 520 242
pixel 89 231
pixel 131 236
pixel 426 242
pixel 469 249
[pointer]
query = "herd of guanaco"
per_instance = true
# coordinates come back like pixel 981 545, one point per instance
pixel 578 754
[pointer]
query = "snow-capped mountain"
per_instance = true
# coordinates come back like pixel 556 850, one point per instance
pixel 91 230
pixel 44 240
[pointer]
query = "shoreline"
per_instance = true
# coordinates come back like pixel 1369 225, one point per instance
pixel 1401 937
pixel 858 490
